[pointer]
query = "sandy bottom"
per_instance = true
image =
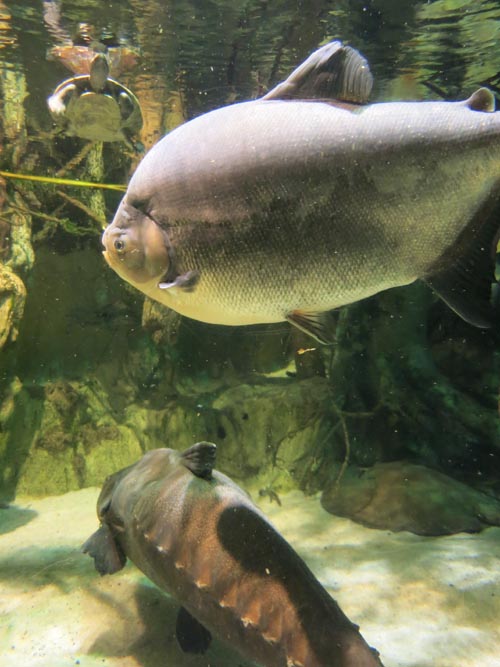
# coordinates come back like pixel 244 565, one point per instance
pixel 423 602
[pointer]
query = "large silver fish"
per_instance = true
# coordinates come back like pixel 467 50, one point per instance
pixel 286 207
pixel 198 536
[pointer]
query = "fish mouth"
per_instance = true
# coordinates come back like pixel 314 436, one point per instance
pixel 105 254
pixel 104 241
pixel 104 236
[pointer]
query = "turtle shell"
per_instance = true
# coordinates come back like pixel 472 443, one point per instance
pixel 112 114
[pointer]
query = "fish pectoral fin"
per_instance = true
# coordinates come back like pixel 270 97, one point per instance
pixel 481 100
pixel 104 549
pixel 320 326
pixel 186 281
pixel 200 459
pixel 192 636
pixel 467 283
pixel 333 72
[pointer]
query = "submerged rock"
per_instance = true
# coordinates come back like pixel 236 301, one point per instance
pixel 273 425
pixel 403 496
pixel 61 435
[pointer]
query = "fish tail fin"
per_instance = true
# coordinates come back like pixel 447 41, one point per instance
pixel 464 277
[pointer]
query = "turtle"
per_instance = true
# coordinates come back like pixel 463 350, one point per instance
pixel 94 106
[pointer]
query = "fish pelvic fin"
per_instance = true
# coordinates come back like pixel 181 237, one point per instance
pixel 191 635
pixel 320 326
pixel 108 555
pixel 200 459
pixel 332 72
pixel 464 277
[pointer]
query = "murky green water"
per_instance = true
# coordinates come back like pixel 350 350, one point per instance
pixel 394 429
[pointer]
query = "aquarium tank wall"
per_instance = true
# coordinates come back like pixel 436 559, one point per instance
pixel 303 276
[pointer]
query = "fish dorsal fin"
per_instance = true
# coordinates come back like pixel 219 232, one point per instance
pixel 333 72
pixel 200 459
pixel 482 100
pixel 467 281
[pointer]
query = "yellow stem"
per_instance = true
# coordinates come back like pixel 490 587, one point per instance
pixel 64 181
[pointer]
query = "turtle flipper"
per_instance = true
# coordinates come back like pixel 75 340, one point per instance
pixel 58 102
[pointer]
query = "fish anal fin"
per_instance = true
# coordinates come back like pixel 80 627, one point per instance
pixel 104 549
pixel 320 326
pixel 192 636
pixel 481 100
pixel 332 72
pixel 200 459
pixel 465 276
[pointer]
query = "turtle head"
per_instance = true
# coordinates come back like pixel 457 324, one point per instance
pixel 136 247
pixel 99 72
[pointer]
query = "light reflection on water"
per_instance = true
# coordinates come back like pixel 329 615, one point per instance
pixel 219 52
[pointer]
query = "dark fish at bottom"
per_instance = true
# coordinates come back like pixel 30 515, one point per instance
pixel 199 537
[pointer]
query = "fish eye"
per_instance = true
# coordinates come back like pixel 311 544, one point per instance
pixel 119 245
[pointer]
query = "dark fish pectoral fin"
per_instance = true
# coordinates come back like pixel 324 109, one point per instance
pixel 200 459
pixel 468 281
pixel 320 326
pixel 333 72
pixel 186 281
pixel 192 636
pixel 104 549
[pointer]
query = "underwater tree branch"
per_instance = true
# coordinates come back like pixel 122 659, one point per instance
pixel 38 214
pixel 82 207
pixel 74 162
pixel 64 223
pixel 347 443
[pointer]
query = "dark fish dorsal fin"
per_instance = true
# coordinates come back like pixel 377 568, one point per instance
pixel 482 100
pixel 200 459
pixel 333 72
pixel 467 278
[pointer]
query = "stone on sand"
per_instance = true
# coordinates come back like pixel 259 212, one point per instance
pixel 404 496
